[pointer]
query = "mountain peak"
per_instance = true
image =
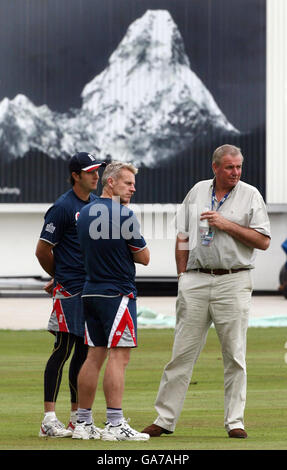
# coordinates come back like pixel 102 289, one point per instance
pixel 152 38
pixel 148 104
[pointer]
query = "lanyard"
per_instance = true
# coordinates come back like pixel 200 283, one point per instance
pixel 221 202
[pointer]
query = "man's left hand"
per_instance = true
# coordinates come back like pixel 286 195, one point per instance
pixel 215 219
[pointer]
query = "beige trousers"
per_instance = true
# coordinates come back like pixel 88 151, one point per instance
pixel 203 299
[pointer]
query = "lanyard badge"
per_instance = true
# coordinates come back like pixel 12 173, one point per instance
pixel 207 239
pixel 209 236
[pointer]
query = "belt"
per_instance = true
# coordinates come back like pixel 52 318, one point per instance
pixel 219 272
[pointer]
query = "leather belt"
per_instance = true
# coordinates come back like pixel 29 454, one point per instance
pixel 219 272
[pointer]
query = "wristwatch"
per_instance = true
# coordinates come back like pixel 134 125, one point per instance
pixel 180 274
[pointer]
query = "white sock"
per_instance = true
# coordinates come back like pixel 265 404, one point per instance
pixel 85 414
pixel 73 416
pixel 49 415
pixel 114 416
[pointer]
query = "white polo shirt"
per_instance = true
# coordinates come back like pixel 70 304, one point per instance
pixel 244 206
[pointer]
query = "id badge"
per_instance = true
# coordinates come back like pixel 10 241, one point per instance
pixel 206 241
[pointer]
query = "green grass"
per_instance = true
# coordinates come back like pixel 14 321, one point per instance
pixel 24 354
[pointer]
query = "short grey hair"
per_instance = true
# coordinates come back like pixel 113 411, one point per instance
pixel 114 168
pixel 223 150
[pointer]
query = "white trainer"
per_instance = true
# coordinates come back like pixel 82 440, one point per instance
pixel 86 431
pixel 123 432
pixel 54 428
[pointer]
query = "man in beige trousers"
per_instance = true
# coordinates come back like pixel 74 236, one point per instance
pixel 214 285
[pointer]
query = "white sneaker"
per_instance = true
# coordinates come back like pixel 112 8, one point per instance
pixel 123 432
pixel 86 431
pixel 54 428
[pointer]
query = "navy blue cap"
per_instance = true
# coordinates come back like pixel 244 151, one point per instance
pixel 83 161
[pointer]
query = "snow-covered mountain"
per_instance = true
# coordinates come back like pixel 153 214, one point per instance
pixel 24 127
pixel 146 106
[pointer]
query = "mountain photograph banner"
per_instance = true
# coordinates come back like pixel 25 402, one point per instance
pixel 159 83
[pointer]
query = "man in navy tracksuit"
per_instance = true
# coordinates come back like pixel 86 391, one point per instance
pixel 59 254
pixel 111 242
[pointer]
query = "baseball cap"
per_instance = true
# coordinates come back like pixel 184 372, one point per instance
pixel 83 161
